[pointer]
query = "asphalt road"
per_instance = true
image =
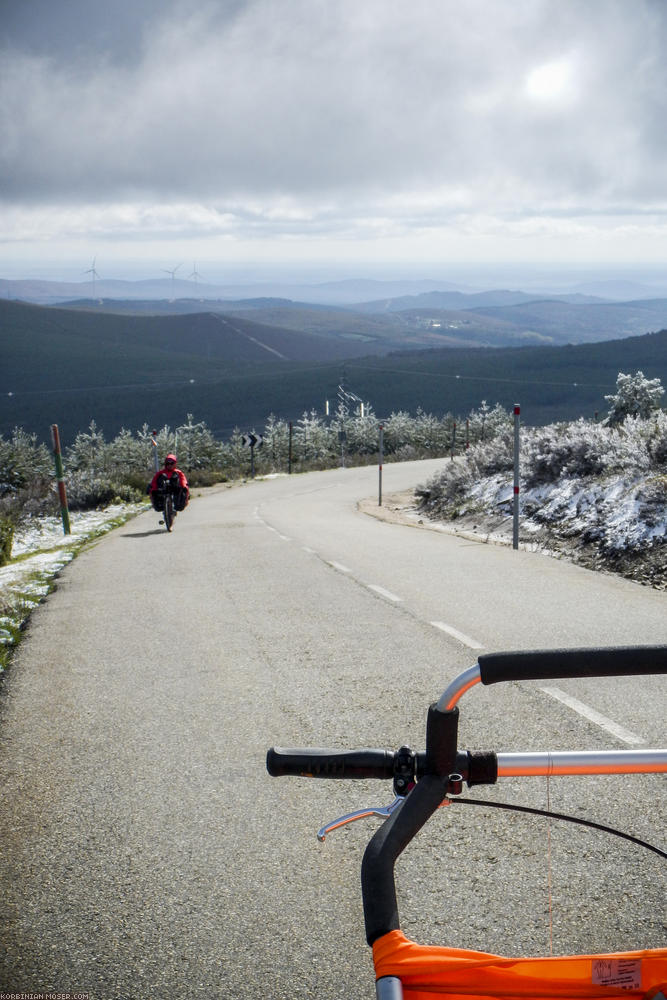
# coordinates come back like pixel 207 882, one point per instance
pixel 147 854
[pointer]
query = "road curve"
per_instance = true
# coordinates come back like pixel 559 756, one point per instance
pixel 146 853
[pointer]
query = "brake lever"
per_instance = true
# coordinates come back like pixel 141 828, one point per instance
pixel 382 811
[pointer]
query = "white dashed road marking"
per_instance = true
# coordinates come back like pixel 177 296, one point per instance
pixel 340 567
pixel 589 713
pixel 460 636
pixel 384 593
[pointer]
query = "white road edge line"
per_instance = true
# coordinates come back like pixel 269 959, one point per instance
pixel 589 713
pixel 460 636
pixel 340 567
pixel 384 593
pixel 269 527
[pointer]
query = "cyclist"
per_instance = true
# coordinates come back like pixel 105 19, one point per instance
pixel 177 481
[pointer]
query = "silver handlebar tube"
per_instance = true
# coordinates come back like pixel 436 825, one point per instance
pixel 458 687
pixel 582 762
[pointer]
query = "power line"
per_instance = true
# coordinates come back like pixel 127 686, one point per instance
pixel 480 378
pixel 238 376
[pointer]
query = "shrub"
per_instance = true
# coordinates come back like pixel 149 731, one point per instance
pixel 6 539
pixel 635 396
pixel 577 449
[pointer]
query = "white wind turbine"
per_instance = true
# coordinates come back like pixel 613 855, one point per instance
pixel 172 273
pixel 195 274
pixel 93 272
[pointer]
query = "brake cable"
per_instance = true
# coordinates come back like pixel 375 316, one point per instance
pixel 554 815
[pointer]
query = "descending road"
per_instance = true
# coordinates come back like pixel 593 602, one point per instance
pixel 146 853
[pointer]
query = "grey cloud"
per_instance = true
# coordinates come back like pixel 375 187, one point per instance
pixel 324 102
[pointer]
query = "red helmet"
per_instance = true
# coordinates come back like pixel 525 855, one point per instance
pixel 170 458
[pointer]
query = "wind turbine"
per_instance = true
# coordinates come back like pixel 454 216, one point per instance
pixel 195 274
pixel 172 273
pixel 91 270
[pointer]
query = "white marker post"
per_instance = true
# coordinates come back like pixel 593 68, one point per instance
pixel 515 531
pixel 380 465
pixel 156 457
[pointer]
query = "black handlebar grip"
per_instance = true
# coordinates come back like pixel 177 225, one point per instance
pixel 534 665
pixel 311 762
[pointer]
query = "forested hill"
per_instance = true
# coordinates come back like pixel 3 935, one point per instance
pixel 68 367
pixel 93 334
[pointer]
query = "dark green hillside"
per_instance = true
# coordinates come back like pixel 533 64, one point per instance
pixel 43 346
pixel 550 383
pixel 68 367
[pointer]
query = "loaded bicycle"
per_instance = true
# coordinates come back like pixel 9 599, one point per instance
pixel 425 781
pixel 164 501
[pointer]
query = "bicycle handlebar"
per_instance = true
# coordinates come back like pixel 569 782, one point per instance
pixel 444 762
pixel 537 665
pixel 549 664
pixel 404 766
pixel 315 762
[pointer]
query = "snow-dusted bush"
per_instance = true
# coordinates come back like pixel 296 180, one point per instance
pixel 276 442
pixel 599 489
pixel 492 456
pixel 21 460
pixel 398 432
pixel 579 450
pixel 635 396
pixel 89 452
pixel 548 453
pixel 6 539
pixel 130 453
pixel 98 471
pixel 86 491
pixel 26 472
pixel 485 423
pixel 312 440
pixel 196 446
pixel 444 492
pixel 657 439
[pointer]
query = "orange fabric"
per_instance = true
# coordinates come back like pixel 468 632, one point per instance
pixel 428 972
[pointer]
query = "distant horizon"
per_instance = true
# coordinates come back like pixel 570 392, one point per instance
pixel 478 274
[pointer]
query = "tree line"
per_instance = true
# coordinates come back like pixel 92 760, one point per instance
pixel 100 471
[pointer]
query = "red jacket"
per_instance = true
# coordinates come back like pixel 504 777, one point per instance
pixel 169 473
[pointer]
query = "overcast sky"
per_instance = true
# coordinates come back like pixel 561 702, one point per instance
pixel 343 130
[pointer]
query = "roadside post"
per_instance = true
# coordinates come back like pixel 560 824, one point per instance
pixel 381 457
pixel 342 437
pixel 60 476
pixel 156 457
pixel 515 527
pixel 289 453
pixel 250 441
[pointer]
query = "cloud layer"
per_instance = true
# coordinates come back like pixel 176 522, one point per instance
pixel 332 117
